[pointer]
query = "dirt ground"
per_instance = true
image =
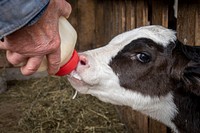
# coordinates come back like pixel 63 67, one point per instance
pixel 45 105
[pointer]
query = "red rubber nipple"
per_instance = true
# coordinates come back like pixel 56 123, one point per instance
pixel 69 66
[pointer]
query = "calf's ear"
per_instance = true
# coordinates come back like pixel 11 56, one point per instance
pixel 191 72
pixel 191 52
pixel 191 77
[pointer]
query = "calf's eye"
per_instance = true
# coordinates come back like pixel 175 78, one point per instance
pixel 143 57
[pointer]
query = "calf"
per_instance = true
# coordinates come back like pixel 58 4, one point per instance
pixel 149 70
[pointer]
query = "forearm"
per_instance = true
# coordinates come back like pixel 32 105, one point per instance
pixel 18 13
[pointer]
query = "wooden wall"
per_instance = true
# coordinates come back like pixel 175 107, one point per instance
pixel 98 21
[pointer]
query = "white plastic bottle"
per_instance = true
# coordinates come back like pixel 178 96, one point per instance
pixel 69 57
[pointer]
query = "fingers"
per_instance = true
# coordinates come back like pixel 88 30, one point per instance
pixel 32 65
pixel 15 58
pixel 53 62
pixel 28 66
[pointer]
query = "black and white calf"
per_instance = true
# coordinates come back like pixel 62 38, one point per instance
pixel 149 70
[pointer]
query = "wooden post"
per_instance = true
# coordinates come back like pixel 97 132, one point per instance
pixel 130 19
pixel 160 12
pixel 186 20
pixel 100 38
pixel 86 24
pixel 197 27
pixel 141 13
pixel 73 16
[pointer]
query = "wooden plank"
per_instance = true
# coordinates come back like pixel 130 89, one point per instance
pixel 130 14
pixel 160 12
pixel 121 16
pixel 197 26
pixel 99 24
pixel 134 122
pixel 114 18
pixel 186 21
pixel 108 22
pixel 73 16
pixel 156 127
pixel 172 14
pixel 141 13
pixel 86 24
pixel 117 16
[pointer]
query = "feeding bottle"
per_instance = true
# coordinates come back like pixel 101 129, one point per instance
pixel 69 56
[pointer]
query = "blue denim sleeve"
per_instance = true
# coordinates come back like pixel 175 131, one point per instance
pixel 15 14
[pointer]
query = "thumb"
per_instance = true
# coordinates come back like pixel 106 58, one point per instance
pixel 65 9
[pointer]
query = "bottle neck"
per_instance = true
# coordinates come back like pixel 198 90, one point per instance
pixel 69 66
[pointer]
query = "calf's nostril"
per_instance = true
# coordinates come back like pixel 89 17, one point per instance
pixel 83 62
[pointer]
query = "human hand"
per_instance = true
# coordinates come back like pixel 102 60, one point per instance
pixel 31 44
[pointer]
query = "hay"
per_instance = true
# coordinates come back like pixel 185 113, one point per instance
pixel 46 106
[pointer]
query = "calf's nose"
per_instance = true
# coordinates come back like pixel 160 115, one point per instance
pixel 83 62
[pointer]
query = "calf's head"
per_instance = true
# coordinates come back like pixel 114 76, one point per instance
pixel 141 68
